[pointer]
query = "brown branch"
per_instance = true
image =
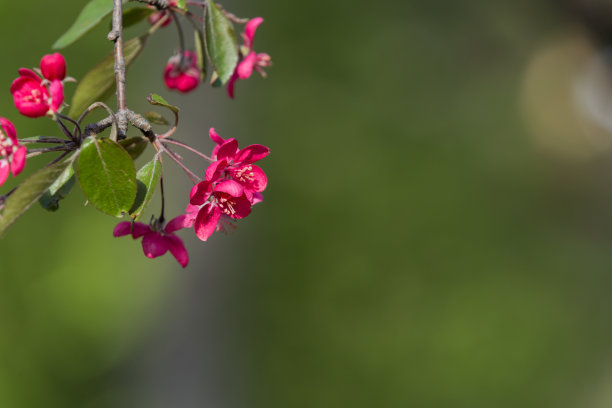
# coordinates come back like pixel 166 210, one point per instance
pixel 116 35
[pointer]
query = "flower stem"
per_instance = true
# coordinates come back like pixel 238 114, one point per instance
pixel 186 146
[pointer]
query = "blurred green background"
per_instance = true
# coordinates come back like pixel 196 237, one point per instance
pixel 437 230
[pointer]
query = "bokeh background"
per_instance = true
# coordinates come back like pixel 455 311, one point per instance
pixel 437 231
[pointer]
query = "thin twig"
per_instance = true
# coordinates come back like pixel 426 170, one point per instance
pixel 186 146
pixel 76 124
pixel 195 179
pixel 38 152
pixel 116 35
pixel 45 140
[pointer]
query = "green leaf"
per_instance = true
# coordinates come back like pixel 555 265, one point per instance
pixel 99 83
pixel 200 47
pixel 147 179
pixel 155 99
pixel 134 146
pixel 181 4
pixel 58 190
pixel 107 176
pixel 221 42
pixel 91 15
pixel 135 15
pixel 156 118
pixel 29 191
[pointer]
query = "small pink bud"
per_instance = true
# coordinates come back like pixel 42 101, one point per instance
pixel 183 73
pixel 53 66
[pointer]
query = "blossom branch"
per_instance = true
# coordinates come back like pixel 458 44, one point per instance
pixel 116 35
pixel 187 147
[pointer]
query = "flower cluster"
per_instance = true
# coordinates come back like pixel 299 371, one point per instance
pixel 156 239
pixel 249 59
pixel 182 72
pixel 12 155
pixel 232 185
pixel 34 96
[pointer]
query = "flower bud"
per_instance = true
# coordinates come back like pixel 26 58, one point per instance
pixel 53 66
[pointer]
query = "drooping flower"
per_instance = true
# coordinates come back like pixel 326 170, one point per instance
pixel 212 200
pixel 12 155
pixel 249 59
pixel 157 241
pixel 182 73
pixel 34 96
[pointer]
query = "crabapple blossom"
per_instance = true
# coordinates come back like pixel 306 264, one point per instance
pixel 249 59
pixel 182 72
pixel 157 241
pixel 12 155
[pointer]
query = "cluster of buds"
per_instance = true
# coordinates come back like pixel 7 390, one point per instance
pixel 34 96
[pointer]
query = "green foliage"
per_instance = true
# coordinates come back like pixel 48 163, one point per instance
pixel 220 42
pixel 98 84
pixel 107 176
pixel 29 191
pixel 91 15
pixel 182 5
pixel 156 118
pixel 200 50
pixel 155 99
pixel 135 146
pixel 58 190
pixel 135 15
pixel 147 179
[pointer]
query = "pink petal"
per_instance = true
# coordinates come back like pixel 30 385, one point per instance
pixel 154 245
pixel 56 89
pixel 213 172
pixel 249 30
pixel 191 213
pixel 9 129
pixel 230 187
pixel 215 137
pixel 231 84
pixel 177 248
pixel 18 160
pixel 200 193
pixel 245 68
pixel 188 81
pixel 123 228
pixel 251 154
pixel 28 73
pixel 169 77
pixel 227 150
pixel 53 66
pixel 177 223
pixel 206 221
pixel 4 171
pixel 257 198
pixel 252 177
pixel 241 206
pixel 140 229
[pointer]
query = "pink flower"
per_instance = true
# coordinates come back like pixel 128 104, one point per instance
pixel 212 200
pixel 183 73
pixel 31 97
pixel 35 97
pixel 157 241
pixel 53 67
pixel 238 165
pixel 250 60
pixel 12 155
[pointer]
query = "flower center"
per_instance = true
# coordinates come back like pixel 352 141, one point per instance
pixel 226 205
pixel 34 96
pixel 244 174
pixel 6 145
